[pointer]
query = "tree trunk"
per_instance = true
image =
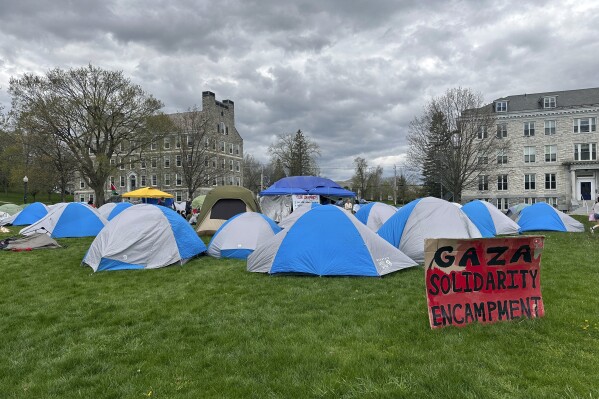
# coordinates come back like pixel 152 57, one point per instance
pixel 99 194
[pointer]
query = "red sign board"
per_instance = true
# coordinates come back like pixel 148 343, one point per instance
pixel 483 280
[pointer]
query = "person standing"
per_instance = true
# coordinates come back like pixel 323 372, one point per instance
pixel 348 205
pixel 596 216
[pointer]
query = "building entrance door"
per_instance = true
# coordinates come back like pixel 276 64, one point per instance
pixel 585 190
pixel 132 182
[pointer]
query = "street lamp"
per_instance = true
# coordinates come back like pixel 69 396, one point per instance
pixel 25 181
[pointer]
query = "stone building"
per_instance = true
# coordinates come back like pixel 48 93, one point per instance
pixel 161 165
pixel 552 154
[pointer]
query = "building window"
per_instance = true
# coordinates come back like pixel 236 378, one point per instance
pixel 214 181
pixel 178 160
pixel 529 154
pixel 482 132
pixel 122 181
pixel 214 162
pixel 214 144
pixel 231 149
pixel 529 129
pixel 189 159
pixel 222 146
pixel 177 143
pixel 121 164
pixel 584 125
pixel 207 143
pixel 501 182
pixel 222 128
pixel 167 162
pixel 112 162
pixel 530 201
pixel 237 166
pixel 549 102
pixel 502 204
pixel 190 141
pixel 551 153
pixel 153 146
pixel 178 179
pixel 81 184
pixel 111 180
pixel 154 162
pixel 530 181
pixel 585 152
pixel 143 180
pixel 178 196
pixel 154 180
pixel 167 179
pixel 237 149
pixel 483 183
pixel 552 201
pixel 238 181
pixel 167 143
pixel 502 130
pixel 501 157
pixel 82 198
pixel 501 106
pixel 231 165
pixel 142 163
pixel 549 127
pixel 550 182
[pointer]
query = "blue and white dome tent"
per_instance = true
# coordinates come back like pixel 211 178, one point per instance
pixel 29 215
pixel 111 209
pixel 489 220
pixel 542 216
pixel 327 241
pixel 375 214
pixel 239 236
pixel 144 236
pixel 426 218
pixel 69 219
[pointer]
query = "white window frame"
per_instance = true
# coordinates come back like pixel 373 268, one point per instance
pixel 530 181
pixel 529 129
pixel 551 153
pixel 483 182
pixel 482 132
pixel 551 201
pixel 142 164
pixel 530 200
pixel 154 162
pixel 167 143
pixel 167 162
pixel 81 183
pixel 591 125
pixel 501 130
pixel 550 180
pixel 178 179
pixel 142 180
pixel 153 146
pixel 502 182
pixel 502 204
pixel 530 154
pixel 501 106
pixel 122 181
pixel 550 127
pixel 549 102
pixel 502 157
pixel 167 179
pixel 178 162
pixel 578 151
pixel 154 180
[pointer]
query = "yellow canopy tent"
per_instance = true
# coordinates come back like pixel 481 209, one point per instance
pixel 147 192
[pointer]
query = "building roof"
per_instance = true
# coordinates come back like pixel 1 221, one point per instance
pixel 564 99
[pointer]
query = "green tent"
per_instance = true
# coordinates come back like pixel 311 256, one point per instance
pixel 221 204
pixel 11 209
pixel 198 202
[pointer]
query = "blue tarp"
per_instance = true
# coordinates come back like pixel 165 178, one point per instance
pixel 304 185
pixel 31 214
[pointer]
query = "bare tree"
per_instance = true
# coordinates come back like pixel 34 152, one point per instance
pixel 94 113
pixel 196 149
pixel 252 173
pixel 360 177
pixel 452 141
pixel 297 153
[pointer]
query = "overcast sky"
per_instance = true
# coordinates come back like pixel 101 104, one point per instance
pixel 350 74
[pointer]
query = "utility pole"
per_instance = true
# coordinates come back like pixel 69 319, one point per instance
pixel 395 185
pixel 262 178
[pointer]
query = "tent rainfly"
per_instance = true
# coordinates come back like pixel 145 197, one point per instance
pixel 221 204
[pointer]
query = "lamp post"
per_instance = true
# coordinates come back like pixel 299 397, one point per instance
pixel 25 181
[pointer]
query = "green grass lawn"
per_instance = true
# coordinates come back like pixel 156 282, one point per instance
pixel 16 197
pixel 211 329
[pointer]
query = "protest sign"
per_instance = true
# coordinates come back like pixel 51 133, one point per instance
pixel 483 280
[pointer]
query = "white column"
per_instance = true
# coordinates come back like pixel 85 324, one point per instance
pixel 573 182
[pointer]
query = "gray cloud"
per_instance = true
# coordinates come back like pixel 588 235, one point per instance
pixel 350 74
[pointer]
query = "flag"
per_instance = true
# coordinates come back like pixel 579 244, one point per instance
pixel 113 188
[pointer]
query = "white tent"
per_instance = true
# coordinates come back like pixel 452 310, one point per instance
pixel 375 214
pixel 426 218
pixel 144 236
pixel 291 218
pixel 489 220
pixel 239 236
